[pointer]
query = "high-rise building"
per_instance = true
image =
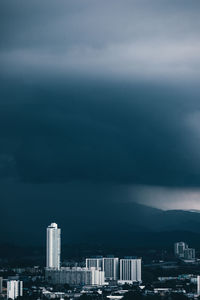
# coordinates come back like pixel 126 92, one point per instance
pixel 179 249
pixel 53 246
pixel 111 268
pixel 14 289
pixel 198 285
pixel 130 270
pixel 1 284
pixel 96 263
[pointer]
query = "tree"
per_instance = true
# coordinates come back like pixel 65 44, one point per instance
pixel 133 296
pixel 85 297
pixel 175 296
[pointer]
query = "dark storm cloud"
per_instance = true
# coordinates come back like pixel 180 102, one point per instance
pixel 134 134
pixel 101 93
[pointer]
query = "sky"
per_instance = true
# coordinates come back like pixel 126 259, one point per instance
pixel 99 103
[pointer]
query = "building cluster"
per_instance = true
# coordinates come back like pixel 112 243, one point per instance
pixel 97 271
pixel 180 280
pixel 101 276
pixel 182 251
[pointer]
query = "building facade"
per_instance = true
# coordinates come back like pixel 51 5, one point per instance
pixel 130 270
pixel 53 246
pixel 189 254
pixel 111 268
pixel 14 289
pixel 198 285
pixel 75 276
pixel 96 263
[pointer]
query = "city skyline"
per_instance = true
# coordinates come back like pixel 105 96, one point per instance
pixel 159 274
pixel 97 271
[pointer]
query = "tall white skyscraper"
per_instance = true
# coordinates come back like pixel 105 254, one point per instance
pixel 14 289
pixel 53 246
pixel 111 268
pixel 130 270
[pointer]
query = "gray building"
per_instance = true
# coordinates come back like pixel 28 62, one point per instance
pixel 182 251
pixel 1 285
pixel 75 276
pixel 179 249
pixel 189 254
pixel 111 268
pixel 96 263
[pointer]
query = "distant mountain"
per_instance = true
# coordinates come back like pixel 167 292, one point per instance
pixel 134 217
pixel 171 220
pixel 136 224
pixel 118 223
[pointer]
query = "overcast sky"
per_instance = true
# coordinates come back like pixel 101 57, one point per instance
pixel 99 97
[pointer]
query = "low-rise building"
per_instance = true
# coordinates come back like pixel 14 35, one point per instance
pixel 75 276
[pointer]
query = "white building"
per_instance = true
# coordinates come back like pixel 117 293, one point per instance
pixel 130 270
pixel 98 277
pixel 111 268
pixel 14 289
pixel 198 285
pixel 96 263
pixel 179 249
pixel 53 246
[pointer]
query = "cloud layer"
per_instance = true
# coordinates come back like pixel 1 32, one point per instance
pixel 137 39
pixel 101 94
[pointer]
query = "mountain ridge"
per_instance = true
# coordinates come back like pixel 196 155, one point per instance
pixel 109 222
